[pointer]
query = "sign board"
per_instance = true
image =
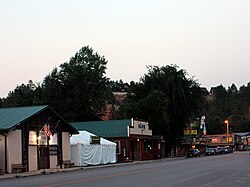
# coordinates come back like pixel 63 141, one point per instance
pixel 140 128
pixel 95 139
pixel 53 150
pixel 190 132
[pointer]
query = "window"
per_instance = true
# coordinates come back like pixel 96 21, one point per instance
pixel 53 139
pixel 32 138
pixel 148 146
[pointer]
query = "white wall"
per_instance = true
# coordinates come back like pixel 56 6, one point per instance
pixel 66 155
pixel 2 152
pixel 14 149
pixel 53 161
pixel 33 165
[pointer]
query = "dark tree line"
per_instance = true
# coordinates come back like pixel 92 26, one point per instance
pixel 231 104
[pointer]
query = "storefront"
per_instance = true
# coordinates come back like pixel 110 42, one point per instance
pixel 133 138
pixel 33 138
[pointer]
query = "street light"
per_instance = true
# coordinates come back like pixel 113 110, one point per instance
pixel 227 122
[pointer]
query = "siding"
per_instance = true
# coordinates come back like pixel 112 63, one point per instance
pixel 66 146
pixel 2 152
pixel 53 161
pixel 14 149
pixel 33 158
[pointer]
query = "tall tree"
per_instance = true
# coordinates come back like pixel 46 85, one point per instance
pixel 78 89
pixel 180 98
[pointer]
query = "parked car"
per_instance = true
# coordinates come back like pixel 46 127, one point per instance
pixel 228 149
pixel 220 150
pixel 210 151
pixel 193 153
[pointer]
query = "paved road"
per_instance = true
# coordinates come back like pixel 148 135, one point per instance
pixel 231 170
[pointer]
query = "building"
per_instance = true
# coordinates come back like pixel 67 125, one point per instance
pixel 216 140
pixel 242 140
pixel 33 138
pixel 134 139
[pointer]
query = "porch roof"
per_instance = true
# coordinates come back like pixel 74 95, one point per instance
pixel 106 129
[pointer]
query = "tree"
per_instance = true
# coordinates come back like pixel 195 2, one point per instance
pixel 78 89
pixel 118 86
pixel 166 96
pixel 153 108
pixel 23 95
pixel 1 102
pixel 215 125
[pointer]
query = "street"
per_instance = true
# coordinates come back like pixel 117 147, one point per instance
pixel 222 170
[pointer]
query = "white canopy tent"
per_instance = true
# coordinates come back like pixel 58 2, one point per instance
pixel 84 153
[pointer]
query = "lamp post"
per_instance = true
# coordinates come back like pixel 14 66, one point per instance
pixel 227 122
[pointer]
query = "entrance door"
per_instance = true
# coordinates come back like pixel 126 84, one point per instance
pixel 135 149
pixel 43 157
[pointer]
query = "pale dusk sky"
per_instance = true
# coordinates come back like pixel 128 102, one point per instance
pixel 208 38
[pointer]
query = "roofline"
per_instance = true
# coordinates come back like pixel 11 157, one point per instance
pixel 58 115
pixel 75 131
pixel 14 126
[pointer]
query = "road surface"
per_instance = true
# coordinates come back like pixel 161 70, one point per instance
pixel 229 170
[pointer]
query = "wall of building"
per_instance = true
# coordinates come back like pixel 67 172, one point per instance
pixel 53 161
pixel 14 149
pixel 66 146
pixel 122 149
pixel 2 152
pixel 33 158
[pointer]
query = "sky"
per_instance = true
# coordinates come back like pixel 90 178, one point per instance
pixel 210 39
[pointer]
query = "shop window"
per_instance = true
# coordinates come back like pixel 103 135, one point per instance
pixel 148 146
pixel 32 138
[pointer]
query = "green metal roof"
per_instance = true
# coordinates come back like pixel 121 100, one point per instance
pixel 10 117
pixel 106 129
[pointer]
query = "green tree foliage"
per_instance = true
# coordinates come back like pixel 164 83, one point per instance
pixel 23 95
pixel 153 108
pixel 118 86
pixel 215 125
pixel 231 104
pixel 1 102
pixel 166 98
pixel 78 90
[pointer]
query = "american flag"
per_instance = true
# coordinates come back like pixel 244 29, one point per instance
pixel 46 129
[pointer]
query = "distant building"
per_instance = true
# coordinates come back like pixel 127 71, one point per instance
pixel 215 140
pixel 119 97
pixel 242 140
pixel 109 108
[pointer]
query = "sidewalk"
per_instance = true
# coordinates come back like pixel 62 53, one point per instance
pixel 50 171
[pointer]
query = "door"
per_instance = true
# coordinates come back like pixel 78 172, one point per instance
pixel 43 157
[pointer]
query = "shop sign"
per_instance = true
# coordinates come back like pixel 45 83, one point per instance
pixel 190 132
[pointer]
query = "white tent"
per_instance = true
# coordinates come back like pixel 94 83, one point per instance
pixel 84 153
